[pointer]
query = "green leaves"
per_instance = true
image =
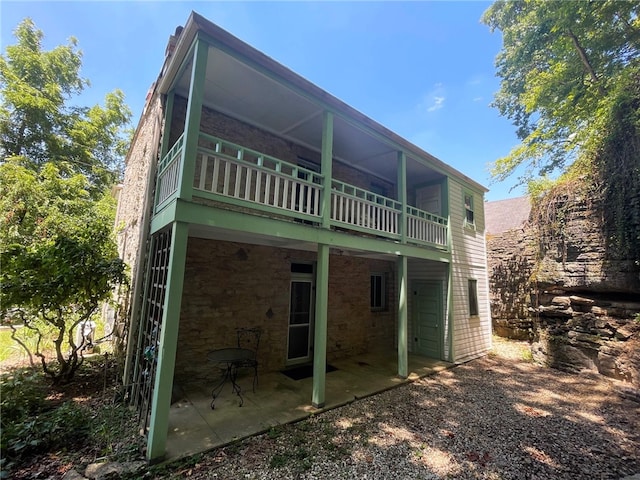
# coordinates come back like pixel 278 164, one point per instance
pixel 57 162
pixel 58 256
pixel 38 122
pixel 559 64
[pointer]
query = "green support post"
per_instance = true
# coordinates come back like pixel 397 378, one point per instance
pixel 192 123
pixel 326 166
pixel 450 325
pixel 320 336
pixel 402 194
pixel 161 401
pixel 403 351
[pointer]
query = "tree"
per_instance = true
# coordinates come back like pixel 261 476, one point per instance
pixel 58 258
pixel 560 64
pixel 62 264
pixel 38 122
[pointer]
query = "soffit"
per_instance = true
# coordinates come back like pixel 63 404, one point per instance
pixel 237 89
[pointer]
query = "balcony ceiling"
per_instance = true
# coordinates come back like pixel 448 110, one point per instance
pixel 253 96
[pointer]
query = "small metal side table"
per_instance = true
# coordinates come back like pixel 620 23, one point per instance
pixel 231 359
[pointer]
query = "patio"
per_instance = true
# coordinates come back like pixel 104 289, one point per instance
pixel 194 427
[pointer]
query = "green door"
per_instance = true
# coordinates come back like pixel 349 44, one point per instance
pixel 427 318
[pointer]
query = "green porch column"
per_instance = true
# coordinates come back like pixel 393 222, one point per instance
pixel 326 166
pixel 192 122
pixel 450 320
pixel 403 352
pixel 402 194
pixel 450 325
pixel 159 422
pixel 320 337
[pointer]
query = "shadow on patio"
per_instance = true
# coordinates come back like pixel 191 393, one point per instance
pixel 194 427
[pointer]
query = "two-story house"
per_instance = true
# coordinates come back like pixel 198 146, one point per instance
pixel 253 198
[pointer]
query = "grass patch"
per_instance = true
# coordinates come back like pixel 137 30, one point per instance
pixel 527 356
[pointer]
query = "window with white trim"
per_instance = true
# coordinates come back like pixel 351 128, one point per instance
pixel 469 215
pixel 378 291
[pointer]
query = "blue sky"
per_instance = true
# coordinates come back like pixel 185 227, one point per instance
pixel 422 69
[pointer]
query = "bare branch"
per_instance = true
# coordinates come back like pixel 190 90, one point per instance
pixel 583 56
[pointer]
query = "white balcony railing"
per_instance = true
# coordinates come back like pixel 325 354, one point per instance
pixel 169 173
pixel 426 227
pixel 237 175
pixel 360 208
pixel 232 171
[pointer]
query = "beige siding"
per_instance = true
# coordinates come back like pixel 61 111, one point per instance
pixel 471 335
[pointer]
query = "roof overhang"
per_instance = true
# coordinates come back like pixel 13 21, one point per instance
pixel 244 83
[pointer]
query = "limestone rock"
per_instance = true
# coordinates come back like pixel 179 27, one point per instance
pixel 108 470
pixel 73 475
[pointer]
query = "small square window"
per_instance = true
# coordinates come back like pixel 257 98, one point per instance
pixel 378 291
pixel 473 297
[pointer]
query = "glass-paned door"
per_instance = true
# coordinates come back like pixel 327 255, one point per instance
pixel 300 321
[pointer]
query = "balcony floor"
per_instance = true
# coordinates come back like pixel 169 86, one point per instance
pixel 194 427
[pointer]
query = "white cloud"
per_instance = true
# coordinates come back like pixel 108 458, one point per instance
pixel 438 103
pixel 434 99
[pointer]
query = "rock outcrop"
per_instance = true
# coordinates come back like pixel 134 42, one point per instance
pixel 557 282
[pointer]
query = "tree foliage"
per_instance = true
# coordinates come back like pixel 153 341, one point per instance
pixel 58 258
pixel 59 261
pixel 560 65
pixel 37 120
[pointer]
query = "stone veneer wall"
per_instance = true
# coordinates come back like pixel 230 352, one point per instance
pixel 510 262
pixel 230 285
pixel 139 162
pixel 565 290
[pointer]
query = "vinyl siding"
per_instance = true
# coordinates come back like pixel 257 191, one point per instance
pixel 471 335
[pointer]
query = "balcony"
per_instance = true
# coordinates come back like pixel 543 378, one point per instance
pixel 258 183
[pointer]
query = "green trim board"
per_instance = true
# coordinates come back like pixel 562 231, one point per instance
pixel 402 193
pixel 192 123
pixel 403 351
pixel 449 313
pixel 320 333
pixel 203 215
pixel 326 165
pixel 159 421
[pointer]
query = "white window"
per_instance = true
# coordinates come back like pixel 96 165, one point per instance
pixel 469 217
pixel 378 291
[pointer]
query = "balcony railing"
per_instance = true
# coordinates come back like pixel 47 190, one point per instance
pixel 169 173
pixel 355 207
pixel 236 175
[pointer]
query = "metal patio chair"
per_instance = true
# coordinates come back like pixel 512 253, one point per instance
pixel 249 339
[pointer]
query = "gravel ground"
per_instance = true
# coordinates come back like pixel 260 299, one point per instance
pixel 499 417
